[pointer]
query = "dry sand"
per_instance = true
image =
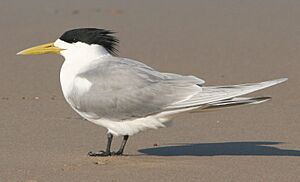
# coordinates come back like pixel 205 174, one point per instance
pixel 223 42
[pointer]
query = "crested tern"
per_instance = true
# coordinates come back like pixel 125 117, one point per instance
pixel 126 96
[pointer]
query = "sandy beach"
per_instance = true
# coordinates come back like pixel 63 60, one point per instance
pixel 222 42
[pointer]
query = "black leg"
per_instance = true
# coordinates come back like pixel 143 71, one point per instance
pixel 121 150
pixel 109 140
pixel 107 151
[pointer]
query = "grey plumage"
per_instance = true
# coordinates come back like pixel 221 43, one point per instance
pixel 123 89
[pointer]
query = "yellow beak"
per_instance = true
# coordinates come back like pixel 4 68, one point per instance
pixel 41 49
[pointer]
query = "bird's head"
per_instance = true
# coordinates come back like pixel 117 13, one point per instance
pixel 87 41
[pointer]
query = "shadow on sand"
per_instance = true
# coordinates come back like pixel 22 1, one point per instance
pixel 247 148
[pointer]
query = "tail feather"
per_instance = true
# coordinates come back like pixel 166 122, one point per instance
pixel 237 101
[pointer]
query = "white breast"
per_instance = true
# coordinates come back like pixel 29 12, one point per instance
pixel 67 77
pixel 69 80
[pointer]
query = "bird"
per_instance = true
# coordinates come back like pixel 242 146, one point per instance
pixel 126 96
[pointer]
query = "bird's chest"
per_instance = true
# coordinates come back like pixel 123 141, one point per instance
pixel 72 85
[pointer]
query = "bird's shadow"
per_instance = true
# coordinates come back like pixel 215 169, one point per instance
pixel 244 148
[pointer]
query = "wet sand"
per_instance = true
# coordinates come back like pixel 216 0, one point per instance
pixel 222 42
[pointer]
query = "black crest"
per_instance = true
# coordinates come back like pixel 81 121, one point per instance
pixel 92 36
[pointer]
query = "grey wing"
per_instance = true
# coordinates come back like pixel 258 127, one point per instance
pixel 125 89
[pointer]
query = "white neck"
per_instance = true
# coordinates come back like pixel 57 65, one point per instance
pixel 78 57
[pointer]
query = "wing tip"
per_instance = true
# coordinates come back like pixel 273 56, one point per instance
pixel 280 80
pixel 275 82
